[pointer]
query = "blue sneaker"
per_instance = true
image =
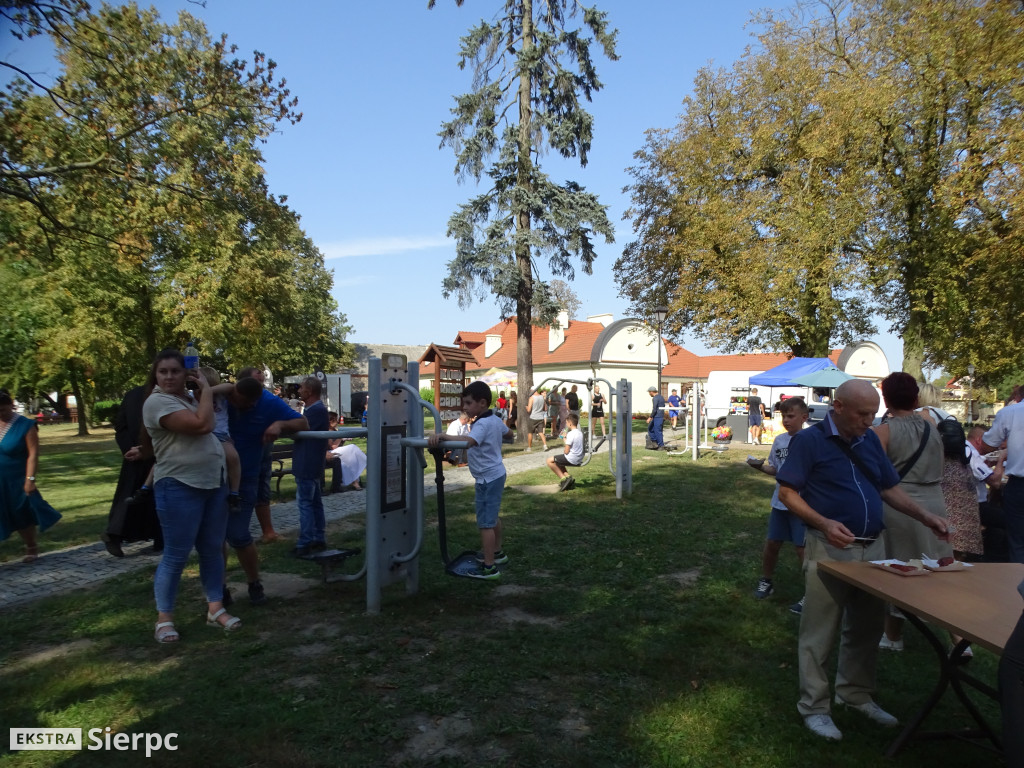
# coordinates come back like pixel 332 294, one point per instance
pixel 500 558
pixel 484 572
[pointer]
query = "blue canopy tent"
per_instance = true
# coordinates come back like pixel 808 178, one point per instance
pixel 785 375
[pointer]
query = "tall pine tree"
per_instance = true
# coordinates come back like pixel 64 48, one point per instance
pixel 530 74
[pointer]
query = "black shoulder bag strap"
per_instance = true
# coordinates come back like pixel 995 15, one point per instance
pixel 917 454
pixel 845 448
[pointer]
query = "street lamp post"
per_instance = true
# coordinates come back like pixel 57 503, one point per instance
pixel 660 313
pixel 970 392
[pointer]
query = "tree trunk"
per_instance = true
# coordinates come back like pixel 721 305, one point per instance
pixel 149 324
pixel 913 347
pixel 524 300
pixel 76 390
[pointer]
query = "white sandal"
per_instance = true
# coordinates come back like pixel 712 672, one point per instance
pixel 168 635
pixel 230 625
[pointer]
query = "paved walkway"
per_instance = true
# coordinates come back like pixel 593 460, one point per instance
pixel 88 564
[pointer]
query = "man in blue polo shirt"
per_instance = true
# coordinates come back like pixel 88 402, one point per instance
pixel 834 479
pixel 255 417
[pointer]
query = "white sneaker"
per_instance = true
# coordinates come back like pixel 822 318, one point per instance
pixel 890 645
pixel 528 450
pixel 822 725
pixel 872 712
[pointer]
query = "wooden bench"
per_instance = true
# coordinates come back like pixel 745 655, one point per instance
pixel 279 454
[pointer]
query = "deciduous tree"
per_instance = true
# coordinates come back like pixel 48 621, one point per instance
pixel 565 297
pixel 877 140
pixel 171 233
pixel 746 216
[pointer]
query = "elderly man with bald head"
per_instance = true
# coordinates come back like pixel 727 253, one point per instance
pixel 835 479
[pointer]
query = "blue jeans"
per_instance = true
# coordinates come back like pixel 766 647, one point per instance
pixel 654 430
pixel 237 534
pixel 1013 508
pixel 311 512
pixel 190 517
pixel 266 467
pixel 488 502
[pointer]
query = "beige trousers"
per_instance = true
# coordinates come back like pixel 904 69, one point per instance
pixel 832 606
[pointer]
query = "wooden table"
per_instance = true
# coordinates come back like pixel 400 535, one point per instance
pixel 980 603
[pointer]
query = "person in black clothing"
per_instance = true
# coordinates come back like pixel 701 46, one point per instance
pixel 132 513
pixel 656 421
pixel 1011 692
pixel 755 416
pixel 572 400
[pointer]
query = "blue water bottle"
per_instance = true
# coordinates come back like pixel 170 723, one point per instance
pixel 191 355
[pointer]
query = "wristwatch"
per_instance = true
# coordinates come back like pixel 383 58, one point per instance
pixel 33 478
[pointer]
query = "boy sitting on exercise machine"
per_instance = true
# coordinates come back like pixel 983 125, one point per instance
pixel 572 455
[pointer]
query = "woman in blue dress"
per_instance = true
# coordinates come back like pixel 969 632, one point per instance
pixel 21 507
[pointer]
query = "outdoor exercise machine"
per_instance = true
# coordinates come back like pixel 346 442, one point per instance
pixel 395 464
pixel 698 419
pixel 620 436
pixel 395 467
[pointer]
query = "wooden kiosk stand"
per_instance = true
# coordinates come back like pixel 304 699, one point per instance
pixel 449 379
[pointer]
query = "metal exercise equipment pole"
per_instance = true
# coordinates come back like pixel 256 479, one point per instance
pixel 390 531
pixel 697 407
pixel 414 450
pixel 624 400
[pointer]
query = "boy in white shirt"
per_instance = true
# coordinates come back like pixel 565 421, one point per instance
pixel 457 429
pixel 572 455
pixel 783 525
pixel 487 469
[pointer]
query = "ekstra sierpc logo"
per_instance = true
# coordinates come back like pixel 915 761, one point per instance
pixel 96 739
pixel 46 738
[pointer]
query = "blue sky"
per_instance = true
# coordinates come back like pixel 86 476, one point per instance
pixel 375 80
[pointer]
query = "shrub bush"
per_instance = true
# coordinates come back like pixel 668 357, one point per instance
pixel 427 393
pixel 105 410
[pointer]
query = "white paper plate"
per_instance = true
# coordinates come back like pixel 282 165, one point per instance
pixel 886 565
pixel 933 565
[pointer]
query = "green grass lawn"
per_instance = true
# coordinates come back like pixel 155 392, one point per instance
pixel 622 633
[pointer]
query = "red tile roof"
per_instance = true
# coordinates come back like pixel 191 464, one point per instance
pixel 469 339
pixel 681 363
pixel 574 350
pixel 580 337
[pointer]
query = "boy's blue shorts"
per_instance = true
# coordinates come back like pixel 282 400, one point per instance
pixel 783 525
pixel 488 502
